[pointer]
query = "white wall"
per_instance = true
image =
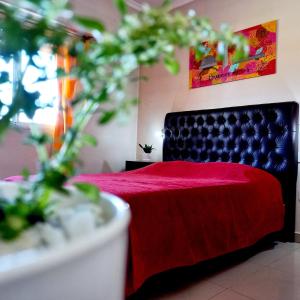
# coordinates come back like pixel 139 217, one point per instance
pixel 117 140
pixel 164 93
pixel 14 155
pixel 117 143
pixel 103 10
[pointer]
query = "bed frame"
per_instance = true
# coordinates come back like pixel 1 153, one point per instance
pixel 264 136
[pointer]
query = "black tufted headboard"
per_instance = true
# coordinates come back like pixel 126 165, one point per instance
pixel 264 136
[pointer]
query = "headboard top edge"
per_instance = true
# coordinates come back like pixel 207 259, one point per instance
pixel 239 107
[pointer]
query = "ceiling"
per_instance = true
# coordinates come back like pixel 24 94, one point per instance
pixel 137 4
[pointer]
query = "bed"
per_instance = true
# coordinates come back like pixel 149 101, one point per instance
pixel 227 180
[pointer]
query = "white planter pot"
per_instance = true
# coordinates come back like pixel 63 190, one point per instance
pixel 88 268
pixel 146 156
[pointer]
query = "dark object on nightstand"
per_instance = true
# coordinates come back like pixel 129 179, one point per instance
pixel 136 164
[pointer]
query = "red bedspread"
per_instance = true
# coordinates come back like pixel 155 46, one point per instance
pixel 184 213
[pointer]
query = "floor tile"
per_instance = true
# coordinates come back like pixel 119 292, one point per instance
pixel 270 284
pixel 231 276
pixel 229 295
pixel 291 246
pixel 203 290
pixel 171 296
pixel 273 274
pixel 269 256
pixel 289 263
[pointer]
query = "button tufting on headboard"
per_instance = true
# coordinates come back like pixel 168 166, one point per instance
pixel 264 136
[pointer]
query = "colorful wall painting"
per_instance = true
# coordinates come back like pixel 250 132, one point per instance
pixel 261 61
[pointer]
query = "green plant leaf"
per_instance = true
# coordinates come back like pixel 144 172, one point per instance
pixel 89 140
pixel 238 56
pixel 107 116
pixel 166 3
pixel 27 101
pixel 122 6
pixel 25 174
pixel 103 96
pixel 60 73
pixel 198 55
pixel 37 138
pixel 4 77
pixel 90 23
pixel 91 191
pixel 171 64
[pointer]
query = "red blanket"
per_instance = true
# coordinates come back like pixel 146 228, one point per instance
pixel 184 213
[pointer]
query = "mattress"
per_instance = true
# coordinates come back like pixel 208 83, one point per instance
pixel 184 213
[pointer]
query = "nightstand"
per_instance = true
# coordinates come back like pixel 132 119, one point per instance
pixel 136 164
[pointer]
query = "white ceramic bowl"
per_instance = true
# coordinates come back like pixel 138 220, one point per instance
pixel 89 268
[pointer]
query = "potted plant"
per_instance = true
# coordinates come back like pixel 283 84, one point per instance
pixel 147 150
pixel 91 266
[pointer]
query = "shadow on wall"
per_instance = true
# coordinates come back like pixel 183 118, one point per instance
pixel 106 168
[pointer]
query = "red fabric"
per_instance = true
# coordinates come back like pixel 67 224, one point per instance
pixel 184 213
